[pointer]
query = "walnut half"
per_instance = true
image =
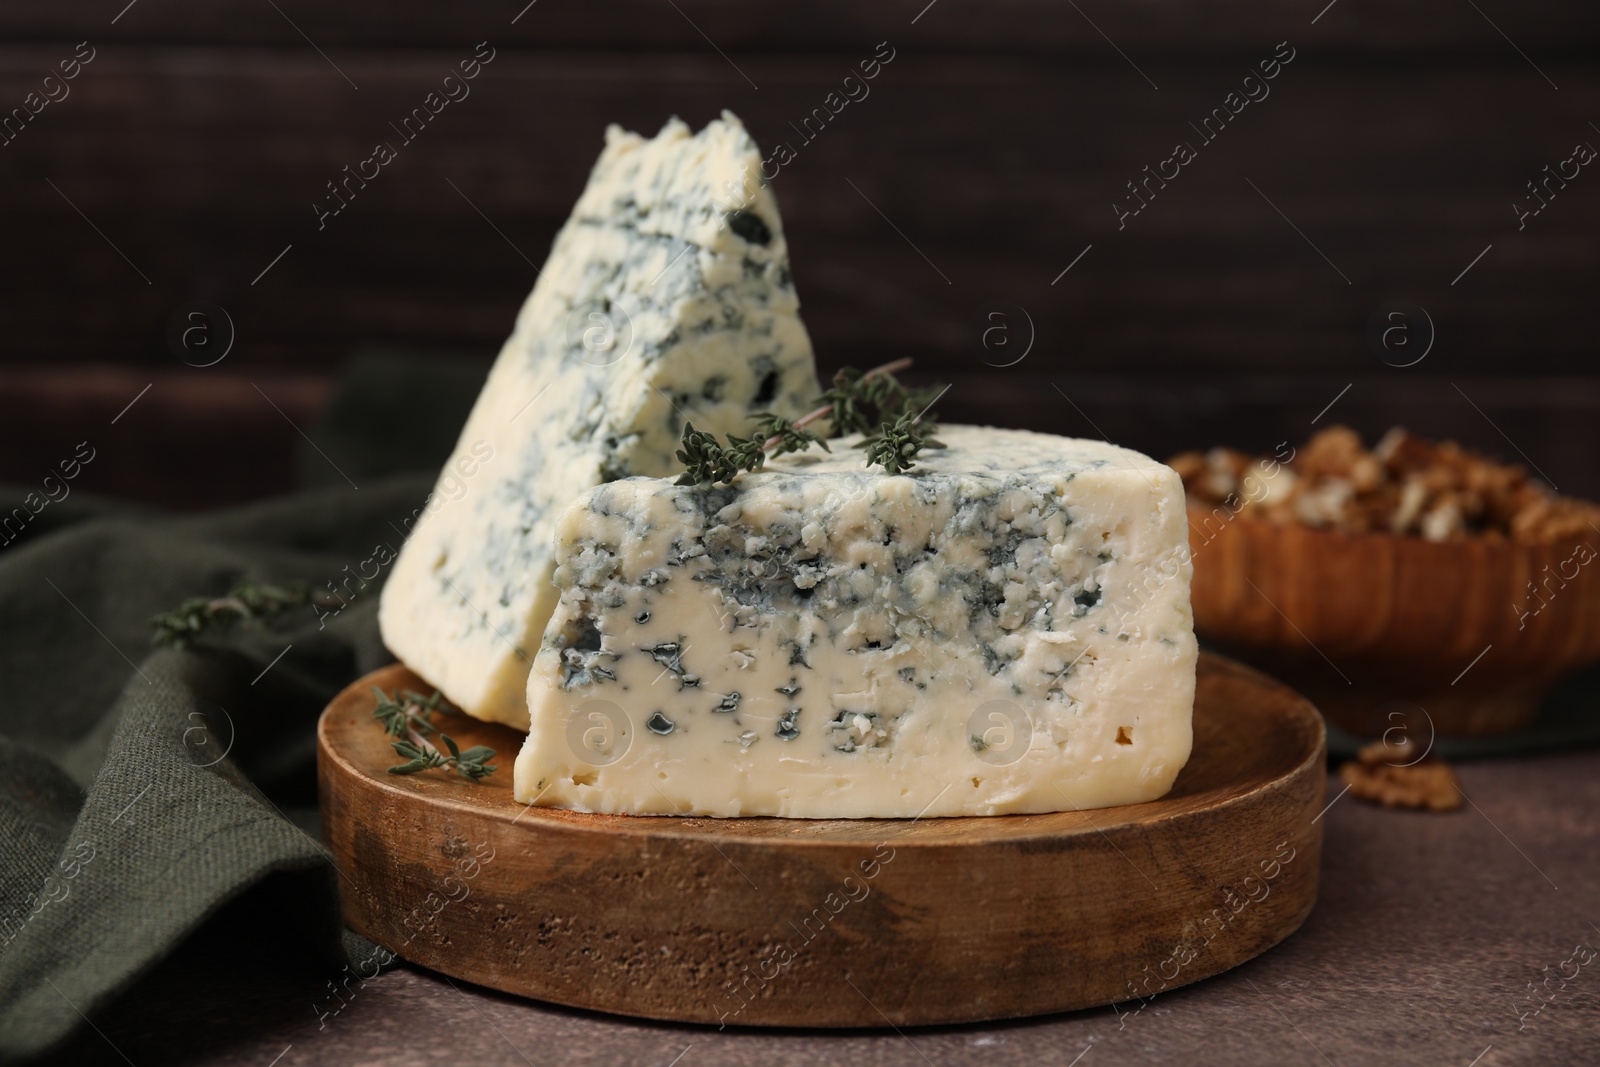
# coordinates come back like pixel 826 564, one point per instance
pixel 1393 776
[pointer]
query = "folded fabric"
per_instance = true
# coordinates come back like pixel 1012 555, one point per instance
pixel 141 790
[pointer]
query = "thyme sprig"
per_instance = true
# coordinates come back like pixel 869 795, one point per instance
pixel 246 602
pixel 896 445
pixel 411 710
pixel 781 436
pixel 408 716
pixel 707 460
pixel 424 757
pixel 857 402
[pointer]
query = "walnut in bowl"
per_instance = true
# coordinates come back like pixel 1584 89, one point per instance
pixel 1413 571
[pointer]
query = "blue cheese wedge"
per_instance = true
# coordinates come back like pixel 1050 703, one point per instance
pixel 666 298
pixel 1006 628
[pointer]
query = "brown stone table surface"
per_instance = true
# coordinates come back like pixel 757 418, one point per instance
pixel 1429 937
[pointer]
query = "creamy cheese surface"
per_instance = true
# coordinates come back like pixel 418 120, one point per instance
pixel 667 297
pixel 1005 628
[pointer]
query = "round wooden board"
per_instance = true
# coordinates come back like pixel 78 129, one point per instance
pixel 782 922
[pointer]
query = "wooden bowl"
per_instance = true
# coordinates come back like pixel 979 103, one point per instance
pixel 1372 627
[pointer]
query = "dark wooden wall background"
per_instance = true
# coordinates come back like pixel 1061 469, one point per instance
pixel 996 141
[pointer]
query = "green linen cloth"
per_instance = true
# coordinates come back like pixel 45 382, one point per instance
pixel 142 789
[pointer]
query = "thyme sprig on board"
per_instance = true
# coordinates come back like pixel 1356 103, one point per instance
pixel 857 402
pixel 408 715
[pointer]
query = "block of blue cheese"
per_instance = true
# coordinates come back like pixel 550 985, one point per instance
pixel 666 298
pixel 1003 629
